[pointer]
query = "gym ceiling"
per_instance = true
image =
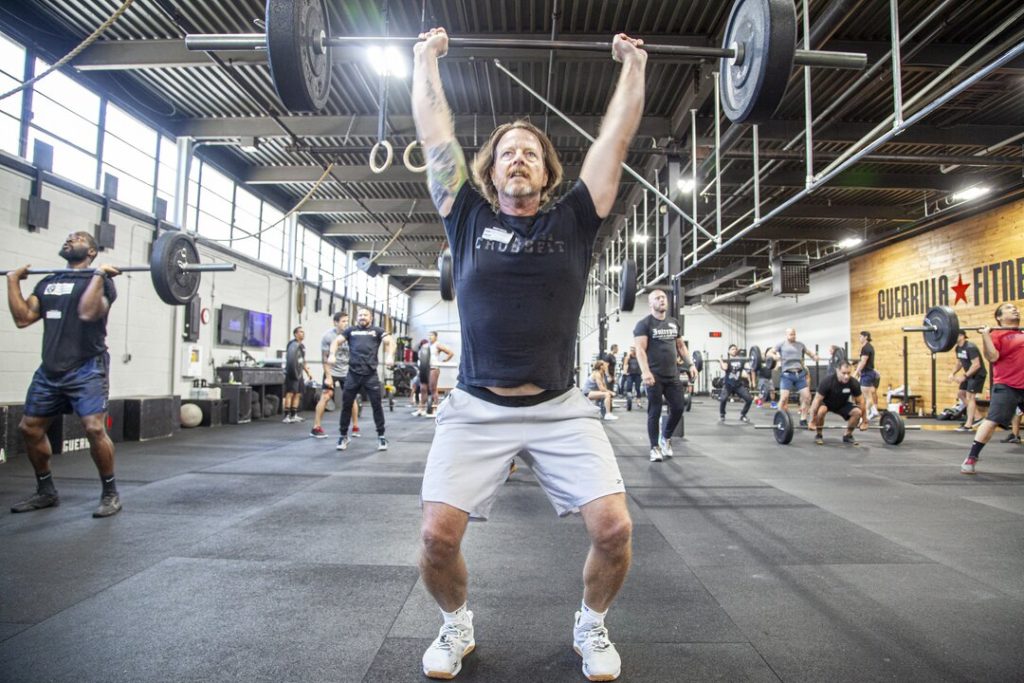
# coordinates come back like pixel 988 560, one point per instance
pixel 902 188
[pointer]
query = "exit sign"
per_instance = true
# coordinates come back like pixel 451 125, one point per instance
pixel 715 335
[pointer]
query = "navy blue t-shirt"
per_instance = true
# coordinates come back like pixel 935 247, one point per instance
pixel 520 283
pixel 363 344
pixel 68 341
pixel 661 345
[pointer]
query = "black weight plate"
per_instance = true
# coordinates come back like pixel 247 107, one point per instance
pixel 447 268
pixel 754 358
pixel 172 284
pixel 698 361
pixel 300 63
pixel 892 428
pixel 687 401
pixel 783 424
pixel 752 88
pixel 629 402
pixel 947 327
pixel 627 286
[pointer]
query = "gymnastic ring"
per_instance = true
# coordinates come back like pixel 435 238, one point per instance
pixel 407 158
pixel 387 159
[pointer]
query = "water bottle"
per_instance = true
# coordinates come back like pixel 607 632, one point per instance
pixel 231 377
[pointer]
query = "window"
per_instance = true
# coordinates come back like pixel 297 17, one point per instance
pixel 66 115
pixel 68 161
pixel 167 173
pixel 244 236
pixel 12 67
pixel 195 172
pixel 272 250
pixel 129 152
pixel 215 204
pixel 310 263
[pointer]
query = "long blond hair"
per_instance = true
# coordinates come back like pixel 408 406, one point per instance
pixel 484 161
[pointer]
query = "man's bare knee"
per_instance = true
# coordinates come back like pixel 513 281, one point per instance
pixel 613 535
pixel 31 430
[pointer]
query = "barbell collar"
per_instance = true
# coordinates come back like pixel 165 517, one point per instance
pixel 223 42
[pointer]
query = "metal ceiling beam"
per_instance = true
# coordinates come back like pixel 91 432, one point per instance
pixel 398 206
pixel 398 173
pixel 975 135
pixel 366 126
pixel 857 180
pixel 410 230
pixel 834 211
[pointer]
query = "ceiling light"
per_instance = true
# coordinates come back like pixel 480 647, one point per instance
pixel 249 143
pixel 614 269
pixel 639 239
pixel 970 193
pixel 387 61
pixel 850 242
pixel 685 185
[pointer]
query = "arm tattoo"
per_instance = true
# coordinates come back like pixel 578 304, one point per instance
pixel 446 166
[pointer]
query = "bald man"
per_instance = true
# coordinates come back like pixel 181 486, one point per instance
pixel 790 353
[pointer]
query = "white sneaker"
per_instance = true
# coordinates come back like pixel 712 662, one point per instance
pixel 665 446
pixel 656 454
pixel 342 443
pixel 417 413
pixel 287 420
pixel 298 418
pixel 873 413
pixel 443 659
pixel 382 443
pixel 601 660
pixel 609 417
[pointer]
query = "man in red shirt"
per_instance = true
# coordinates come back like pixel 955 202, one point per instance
pixel 1004 349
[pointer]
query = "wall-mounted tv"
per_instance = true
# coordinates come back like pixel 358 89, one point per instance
pixel 231 328
pixel 257 329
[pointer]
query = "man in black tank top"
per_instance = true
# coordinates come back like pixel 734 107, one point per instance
pixel 74 375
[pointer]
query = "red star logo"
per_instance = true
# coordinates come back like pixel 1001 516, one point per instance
pixel 961 289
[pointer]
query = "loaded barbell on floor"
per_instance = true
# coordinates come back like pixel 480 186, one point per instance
pixel 753 357
pixel 891 425
pixel 757 55
pixel 173 266
pixel 941 327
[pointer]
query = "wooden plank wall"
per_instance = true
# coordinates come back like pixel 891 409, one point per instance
pixel 981 258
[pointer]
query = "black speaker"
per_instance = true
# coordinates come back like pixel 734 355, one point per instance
pixel 193 311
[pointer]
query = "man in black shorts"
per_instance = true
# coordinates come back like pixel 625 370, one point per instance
pixel 834 395
pixel 734 368
pixel 294 367
pixel 521 274
pixel 658 345
pixel 867 375
pixel 634 382
pixel 1004 350
pixel 968 359
pixel 364 342
pixel 75 374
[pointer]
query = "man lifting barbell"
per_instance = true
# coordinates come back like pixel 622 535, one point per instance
pixel 1004 350
pixel 521 275
pixel 840 394
pixel 735 367
pixel 75 373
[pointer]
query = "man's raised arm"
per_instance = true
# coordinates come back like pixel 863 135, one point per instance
pixel 602 167
pixel 446 164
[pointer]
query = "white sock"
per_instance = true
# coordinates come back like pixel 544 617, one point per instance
pixel 459 615
pixel 590 616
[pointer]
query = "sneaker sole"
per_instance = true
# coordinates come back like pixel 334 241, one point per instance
pixel 101 515
pixel 319 436
pixel 16 510
pixel 597 677
pixel 444 675
pixel 966 472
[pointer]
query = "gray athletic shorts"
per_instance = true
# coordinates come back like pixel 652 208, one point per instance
pixel 562 441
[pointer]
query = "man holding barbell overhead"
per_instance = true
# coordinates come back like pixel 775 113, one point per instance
pixel 1004 350
pixel 734 367
pixel 794 375
pixel 968 359
pixel 840 394
pixel 75 374
pixel 521 274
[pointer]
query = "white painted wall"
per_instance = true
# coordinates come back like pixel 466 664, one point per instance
pixel 821 317
pixel 429 312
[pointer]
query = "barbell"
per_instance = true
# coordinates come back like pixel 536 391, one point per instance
pixel 891 425
pixel 173 266
pixel 941 327
pixel 753 357
pixel 757 54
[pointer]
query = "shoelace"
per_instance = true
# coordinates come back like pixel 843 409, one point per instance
pixel 450 635
pixel 596 639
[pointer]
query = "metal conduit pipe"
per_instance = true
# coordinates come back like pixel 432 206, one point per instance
pixel 1011 54
pixel 841 100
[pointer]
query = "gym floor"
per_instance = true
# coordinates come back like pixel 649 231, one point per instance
pixel 253 552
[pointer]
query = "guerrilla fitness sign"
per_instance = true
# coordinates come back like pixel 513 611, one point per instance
pixel 992 283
